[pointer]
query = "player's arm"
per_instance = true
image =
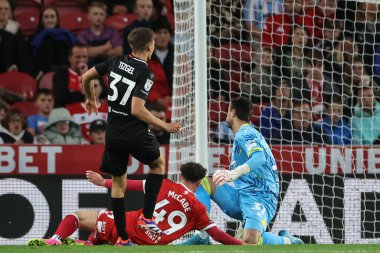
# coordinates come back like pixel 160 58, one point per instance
pixel 222 237
pixel 139 110
pixel 87 85
pixel 97 179
pixel 256 159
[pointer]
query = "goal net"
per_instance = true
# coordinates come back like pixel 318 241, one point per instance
pixel 311 69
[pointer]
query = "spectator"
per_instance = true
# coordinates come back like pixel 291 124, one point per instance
pixel 158 111
pixel 331 32
pixel 223 134
pixel 291 57
pixel 314 83
pixel 102 41
pixel 161 63
pixel 61 129
pixel 14 51
pixel 301 130
pixel 218 86
pixel 144 12
pixel 13 128
pixel 67 80
pixel 256 12
pixel 366 32
pixel 315 17
pixel 79 114
pixel 44 102
pixel 365 123
pixel 98 131
pixel 3 111
pixel 258 85
pixel 278 27
pixel 275 116
pixel 51 44
pixel 334 127
pixel 225 22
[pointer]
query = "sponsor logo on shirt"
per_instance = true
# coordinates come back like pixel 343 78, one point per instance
pixel 148 85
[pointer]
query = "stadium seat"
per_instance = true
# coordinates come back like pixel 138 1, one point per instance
pixel 234 54
pixel 28 20
pixel 257 108
pixel 27 107
pixel 119 21
pixel 19 83
pixel 46 81
pixel 75 22
pixel 217 111
pixel 65 7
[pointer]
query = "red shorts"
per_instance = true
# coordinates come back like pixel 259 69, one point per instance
pixel 105 228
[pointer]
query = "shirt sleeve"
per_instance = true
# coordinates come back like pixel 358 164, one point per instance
pixel 144 84
pixel 250 145
pixel 203 222
pixel 103 67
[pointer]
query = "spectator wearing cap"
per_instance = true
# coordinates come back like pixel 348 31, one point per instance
pixel 144 12
pixel 62 129
pixel 98 131
pixel 162 62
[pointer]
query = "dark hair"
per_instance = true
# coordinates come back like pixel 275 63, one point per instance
pixel 155 106
pixel 299 102
pixel 140 38
pixel 44 91
pixel 10 113
pixel 40 25
pixel 193 172
pixel 78 45
pixel 243 108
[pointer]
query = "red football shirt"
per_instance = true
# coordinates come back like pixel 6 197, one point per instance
pixel 177 212
pixel 80 116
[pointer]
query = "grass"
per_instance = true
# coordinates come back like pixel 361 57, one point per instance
pixel 311 248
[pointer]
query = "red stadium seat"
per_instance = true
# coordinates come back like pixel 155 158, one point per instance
pixel 234 54
pixel 119 21
pixel 65 7
pixel 257 108
pixel 217 111
pixel 75 22
pixel 27 107
pixel 46 81
pixel 19 83
pixel 28 20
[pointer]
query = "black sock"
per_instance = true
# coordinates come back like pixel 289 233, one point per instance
pixel 118 208
pixel 152 188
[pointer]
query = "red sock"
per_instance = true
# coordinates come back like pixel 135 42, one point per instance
pixel 67 226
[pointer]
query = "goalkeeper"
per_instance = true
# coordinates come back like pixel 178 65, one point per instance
pixel 253 171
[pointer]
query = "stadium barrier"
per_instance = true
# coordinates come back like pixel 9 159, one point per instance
pixel 41 184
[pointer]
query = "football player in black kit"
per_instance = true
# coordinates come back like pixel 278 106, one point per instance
pixel 130 81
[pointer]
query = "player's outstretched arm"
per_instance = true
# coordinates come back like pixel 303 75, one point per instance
pixel 222 237
pixel 97 179
pixel 256 160
pixel 89 90
pixel 139 110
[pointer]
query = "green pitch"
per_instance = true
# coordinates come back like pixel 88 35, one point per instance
pixel 197 249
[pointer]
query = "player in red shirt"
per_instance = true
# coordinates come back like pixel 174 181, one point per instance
pixel 177 212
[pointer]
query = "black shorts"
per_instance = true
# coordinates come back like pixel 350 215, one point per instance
pixel 116 153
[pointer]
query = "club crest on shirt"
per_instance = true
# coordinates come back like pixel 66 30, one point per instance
pixel 148 85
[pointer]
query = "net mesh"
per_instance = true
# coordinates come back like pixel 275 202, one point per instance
pixel 311 70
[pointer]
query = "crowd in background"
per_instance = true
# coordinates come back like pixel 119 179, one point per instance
pixel 310 68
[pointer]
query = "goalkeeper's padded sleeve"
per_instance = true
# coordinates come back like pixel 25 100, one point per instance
pixel 132 185
pixel 255 162
pixel 222 237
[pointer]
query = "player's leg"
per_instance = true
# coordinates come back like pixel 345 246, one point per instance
pixel 115 162
pixel 85 220
pixel 227 198
pixel 148 152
